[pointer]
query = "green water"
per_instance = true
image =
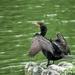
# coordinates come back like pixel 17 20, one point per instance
pixel 17 30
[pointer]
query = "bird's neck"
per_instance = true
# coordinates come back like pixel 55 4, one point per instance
pixel 43 31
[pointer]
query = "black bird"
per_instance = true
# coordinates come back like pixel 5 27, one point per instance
pixel 52 49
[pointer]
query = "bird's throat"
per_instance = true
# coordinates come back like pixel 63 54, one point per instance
pixel 43 32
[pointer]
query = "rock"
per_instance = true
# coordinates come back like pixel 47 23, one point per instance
pixel 61 66
pixel 57 68
pixel 45 72
pixel 37 70
pixel 66 65
pixel 43 64
pixel 53 72
pixel 29 71
pixel 49 72
pixel 30 64
pixel 29 68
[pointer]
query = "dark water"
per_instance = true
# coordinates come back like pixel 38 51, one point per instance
pixel 17 30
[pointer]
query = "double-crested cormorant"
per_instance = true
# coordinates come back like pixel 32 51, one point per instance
pixel 52 49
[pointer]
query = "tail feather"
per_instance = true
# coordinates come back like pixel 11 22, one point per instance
pixel 69 56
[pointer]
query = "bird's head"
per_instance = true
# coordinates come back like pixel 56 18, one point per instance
pixel 40 24
pixel 43 28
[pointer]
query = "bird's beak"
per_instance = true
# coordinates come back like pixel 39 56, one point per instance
pixel 37 24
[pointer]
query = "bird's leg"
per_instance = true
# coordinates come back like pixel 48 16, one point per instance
pixel 48 63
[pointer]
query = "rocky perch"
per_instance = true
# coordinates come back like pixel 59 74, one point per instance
pixel 31 68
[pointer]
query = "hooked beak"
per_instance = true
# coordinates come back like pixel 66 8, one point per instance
pixel 37 24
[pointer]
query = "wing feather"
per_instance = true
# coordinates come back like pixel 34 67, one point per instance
pixel 35 47
pixel 57 44
pixel 46 44
pixel 63 43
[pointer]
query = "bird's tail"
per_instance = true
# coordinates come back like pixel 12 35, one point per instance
pixel 69 56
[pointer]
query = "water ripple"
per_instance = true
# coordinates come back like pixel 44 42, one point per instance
pixel 19 22
pixel 57 6
pixel 38 6
pixel 50 15
pixel 69 37
pixel 1 16
pixel 2 52
pixel 73 45
pixel 29 38
pixel 12 66
pixel 72 21
pixel 19 35
pixel 17 45
pixel 66 21
pixel 66 37
pixel 35 21
pixel 7 31
pixel 4 61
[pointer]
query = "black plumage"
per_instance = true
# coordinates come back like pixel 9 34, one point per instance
pixel 52 49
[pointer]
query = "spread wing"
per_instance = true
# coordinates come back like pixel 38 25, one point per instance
pixel 46 44
pixel 35 47
pixel 61 39
pixel 63 43
pixel 39 43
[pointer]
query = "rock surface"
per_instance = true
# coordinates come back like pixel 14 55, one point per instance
pixel 31 68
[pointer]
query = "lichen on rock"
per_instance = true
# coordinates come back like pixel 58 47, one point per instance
pixel 31 68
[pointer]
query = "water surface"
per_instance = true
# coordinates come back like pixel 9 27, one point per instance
pixel 17 30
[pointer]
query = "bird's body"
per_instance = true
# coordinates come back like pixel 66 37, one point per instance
pixel 52 49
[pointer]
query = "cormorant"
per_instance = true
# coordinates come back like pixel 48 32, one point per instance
pixel 52 49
